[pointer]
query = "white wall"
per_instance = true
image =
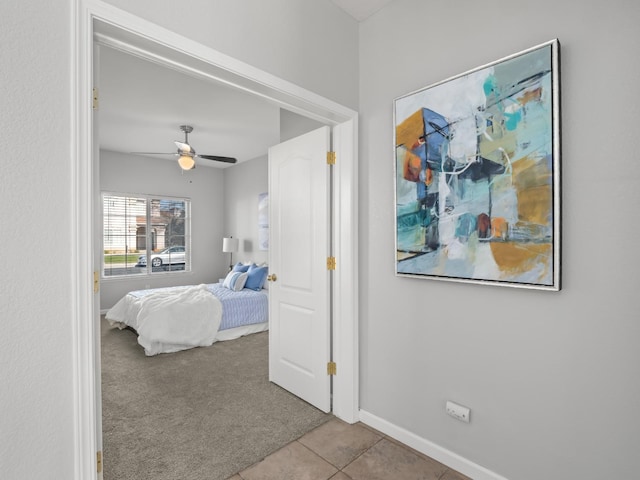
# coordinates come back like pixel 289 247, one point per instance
pixel 36 282
pixel 36 392
pixel 242 185
pixel 293 125
pixel 553 379
pixel 204 186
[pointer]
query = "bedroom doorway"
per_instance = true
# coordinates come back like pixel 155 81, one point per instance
pixel 137 35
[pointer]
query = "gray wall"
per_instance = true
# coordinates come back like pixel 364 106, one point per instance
pixel 552 378
pixel 293 125
pixel 204 186
pixel 37 284
pixel 242 185
pixel 36 369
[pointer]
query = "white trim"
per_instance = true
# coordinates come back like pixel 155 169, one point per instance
pixel 345 249
pixel 175 51
pixel 82 297
pixel 137 36
pixel 422 445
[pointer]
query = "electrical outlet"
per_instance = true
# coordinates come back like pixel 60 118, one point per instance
pixel 458 411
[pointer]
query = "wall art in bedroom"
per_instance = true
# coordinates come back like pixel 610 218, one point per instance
pixel 263 221
pixel 477 169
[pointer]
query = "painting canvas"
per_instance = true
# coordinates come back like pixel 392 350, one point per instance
pixel 478 175
pixel 263 221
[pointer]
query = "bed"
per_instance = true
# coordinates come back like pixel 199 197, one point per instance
pixel 171 319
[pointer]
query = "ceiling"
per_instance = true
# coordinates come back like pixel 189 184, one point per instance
pixel 143 104
pixel 361 9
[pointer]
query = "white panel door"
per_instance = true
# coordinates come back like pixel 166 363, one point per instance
pixel 299 293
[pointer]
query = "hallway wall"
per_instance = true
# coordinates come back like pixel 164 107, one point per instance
pixel 546 374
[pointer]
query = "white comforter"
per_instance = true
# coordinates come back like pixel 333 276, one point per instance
pixel 169 322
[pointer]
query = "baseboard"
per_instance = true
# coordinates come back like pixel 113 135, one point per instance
pixel 442 455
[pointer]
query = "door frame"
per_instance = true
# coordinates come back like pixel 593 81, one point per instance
pixel 114 27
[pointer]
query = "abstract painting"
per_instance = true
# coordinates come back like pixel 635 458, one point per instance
pixel 263 221
pixel 477 169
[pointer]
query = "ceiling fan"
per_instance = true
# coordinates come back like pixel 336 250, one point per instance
pixel 187 155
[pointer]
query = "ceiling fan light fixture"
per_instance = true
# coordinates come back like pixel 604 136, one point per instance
pixel 186 162
pixel 184 147
pixel 186 153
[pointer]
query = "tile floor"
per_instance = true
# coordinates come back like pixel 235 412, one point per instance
pixel 339 451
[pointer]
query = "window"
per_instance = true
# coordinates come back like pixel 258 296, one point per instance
pixel 138 228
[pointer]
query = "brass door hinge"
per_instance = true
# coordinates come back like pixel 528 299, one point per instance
pixel 331 263
pixel 331 158
pixel 96 99
pixel 96 282
pixel 331 368
pixel 99 461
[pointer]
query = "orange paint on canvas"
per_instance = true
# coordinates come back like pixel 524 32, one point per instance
pixel 499 227
pixel 531 96
pixel 534 205
pixel 412 165
pixel 531 172
pixel 428 178
pixel 410 130
pixel 520 258
pixel 532 179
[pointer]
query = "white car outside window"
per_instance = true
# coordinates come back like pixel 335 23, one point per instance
pixel 169 256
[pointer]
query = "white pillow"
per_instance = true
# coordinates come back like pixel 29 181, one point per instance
pixel 235 281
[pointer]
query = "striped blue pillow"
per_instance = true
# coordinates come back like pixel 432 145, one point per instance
pixel 235 281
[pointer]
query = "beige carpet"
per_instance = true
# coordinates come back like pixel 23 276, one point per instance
pixel 204 413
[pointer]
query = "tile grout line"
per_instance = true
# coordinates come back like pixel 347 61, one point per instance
pixel 297 440
pixel 331 463
pixel 318 455
pixel 382 437
pixel 361 454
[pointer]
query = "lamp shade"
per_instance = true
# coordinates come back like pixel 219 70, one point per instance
pixel 230 244
pixel 186 162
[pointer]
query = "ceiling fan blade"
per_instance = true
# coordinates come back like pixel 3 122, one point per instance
pixel 185 151
pixel 153 153
pixel 183 147
pixel 218 158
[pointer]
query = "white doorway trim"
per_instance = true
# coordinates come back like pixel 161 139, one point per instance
pixel 96 20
